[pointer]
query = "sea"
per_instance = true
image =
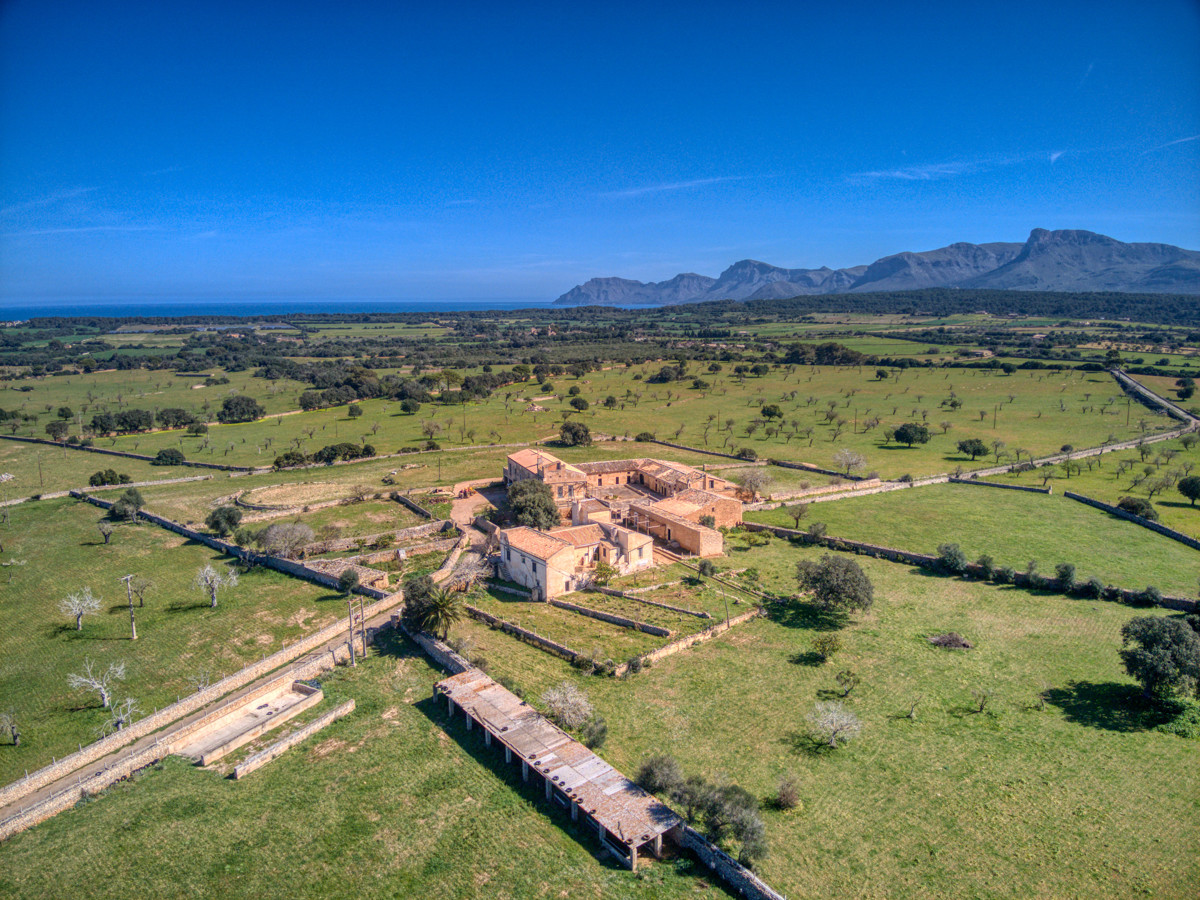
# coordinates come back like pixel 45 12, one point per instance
pixel 20 310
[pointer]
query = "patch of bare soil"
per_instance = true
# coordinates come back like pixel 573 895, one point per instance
pixel 951 641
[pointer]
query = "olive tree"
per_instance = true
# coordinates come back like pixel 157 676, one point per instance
pixel 1163 654
pixel 211 581
pixel 81 603
pixel 101 682
pixel 832 724
pixel 567 705
pixel 835 583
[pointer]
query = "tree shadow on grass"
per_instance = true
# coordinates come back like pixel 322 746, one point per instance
pixel 802 742
pixel 1108 705
pixel 184 606
pixel 809 658
pixel 806 615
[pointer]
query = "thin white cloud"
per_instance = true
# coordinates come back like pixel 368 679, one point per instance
pixel 1185 140
pixel 673 186
pixel 48 200
pixel 39 232
pixel 1054 156
pixel 931 172
pixel 1083 80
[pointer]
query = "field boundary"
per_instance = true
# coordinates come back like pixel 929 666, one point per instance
pixel 1135 519
pixel 277 749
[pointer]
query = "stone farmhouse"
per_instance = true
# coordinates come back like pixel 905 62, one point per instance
pixel 616 511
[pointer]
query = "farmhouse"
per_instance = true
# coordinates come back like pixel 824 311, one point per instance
pixel 561 561
pixel 677 505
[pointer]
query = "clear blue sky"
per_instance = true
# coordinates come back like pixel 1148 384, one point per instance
pixel 490 150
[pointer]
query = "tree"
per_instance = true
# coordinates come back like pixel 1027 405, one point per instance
pixel 912 433
pixel 81 603
pixel 1163 654
pixel 772 411
pixel 239 408
pixel 832 724
pixel 1190 488
pixel 128 505
pixel 847 680
pixel 285 538
pixel 354 410
pixel 92 679
pixel 532 503
pixel 798 511
pixel 168 456
pixel 973 447
pixel 579 403
pixel 836 583
pixel 106 529
pixel 211 581
pixel 437 611
pixel 122 715
pixel 849 460
pixel 604 573
pixel 8 722
pixel 141 586
pixel 409 406
pixel 575 434
pixel 347 581
pixel 567 705
pixel 57 429
pixel 224 520
pixel 754 481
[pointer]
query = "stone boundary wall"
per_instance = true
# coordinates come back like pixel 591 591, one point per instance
pixel 378 556
pixel 629 595
pixel 509 589
pixel 277 749
pixel 612 618
pixel 313 696
pixel 529 637
pixel 728 869
pixel 124 453
pixel 446 569
pixel 413 505
pixel 855 487
pixel 339 544
pixel 809 467
pixel 1137 520
pixel 435 649
pixel 998 484
pixel 930 562
pixel 1149 398
pixel 690 640
pixel 54 495
pixel 486 526
pixel 696 450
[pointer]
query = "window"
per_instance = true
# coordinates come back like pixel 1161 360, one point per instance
pixel 560 490
pixel 535 568
pixel 508 554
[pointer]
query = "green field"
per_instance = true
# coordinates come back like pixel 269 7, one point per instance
pixel 52 548
pixel 392 801
pixel 38 469
pixel 1011 526
pixel 1078 799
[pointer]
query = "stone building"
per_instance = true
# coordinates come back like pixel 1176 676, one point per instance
pixel 551 563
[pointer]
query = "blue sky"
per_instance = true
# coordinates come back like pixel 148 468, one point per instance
pixel 479 150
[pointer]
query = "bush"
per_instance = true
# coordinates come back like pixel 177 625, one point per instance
pixel 107 476
pixel 708 521
pixel 951 559
pixel 1092 588
pixel 644 436
pixel 1138 507
pixel 1151 596
pixel 594 732
pixel 408 406
pixel 988 565
pixel 290 459
pixel 1064 574
pixel 1186 724
pixel 431 445
pixel 575 434
pixel 633 665
pixel 567 705
pixel 480 662
pixel 707 568
pixel 579 403
pixel 816 531
pixel 826 645
pixel 659 775
pixel 224 520
pixel 787 795
pixel 747 453
pixel 168 456
pixel 1005 575
pixel 511 686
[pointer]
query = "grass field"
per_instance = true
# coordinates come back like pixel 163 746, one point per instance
pixel 52 549
pixel 1078 799
pixel 38 469
pixel 392 801
pixel 1037 411
pixel 1011 526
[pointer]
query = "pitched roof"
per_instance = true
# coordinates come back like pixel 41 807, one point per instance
pixel 535 460
pixel 537 544
pixel 580 535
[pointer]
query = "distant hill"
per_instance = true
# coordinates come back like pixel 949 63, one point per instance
pixel 1047 261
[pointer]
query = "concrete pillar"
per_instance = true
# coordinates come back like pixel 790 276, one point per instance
pixel 507 753
pixel 524 770
pixel 449 705
pixel 633 857
pixel 470 721
pixel 574 811
pixel 548 787
pixel 487 738
pixel 658 845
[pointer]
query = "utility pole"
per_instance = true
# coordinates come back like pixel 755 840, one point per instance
pixel 362 624
pixel 128 579
pixel 350 643
pixel 995 410
pixel 41 481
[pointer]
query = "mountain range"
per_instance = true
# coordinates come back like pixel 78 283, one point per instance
pixel 1048 261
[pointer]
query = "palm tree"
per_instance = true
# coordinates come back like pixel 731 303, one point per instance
pixel 442 612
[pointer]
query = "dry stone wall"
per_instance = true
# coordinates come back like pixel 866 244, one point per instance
pixel 613 619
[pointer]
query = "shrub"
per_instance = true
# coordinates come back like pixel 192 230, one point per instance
pixel 988 565
pixel 1092 588
pixel 787 795
pixel 826 645
pixel 1186 724
pixel 708 521
pixel 816 531
pixel 644 436
pixel 1138 507
pixel 594 732
pixel 1064 574
pixel 659 774
pixel 747 453
pixel 1005 575
pixel 951 559
pixel 480 662
pixel 575 434
pixel 707 568
pixel 1151 596
pixel 431 445
pixel 224 520
pixel 567 705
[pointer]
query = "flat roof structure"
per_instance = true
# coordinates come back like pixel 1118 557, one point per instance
pixel 623 812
